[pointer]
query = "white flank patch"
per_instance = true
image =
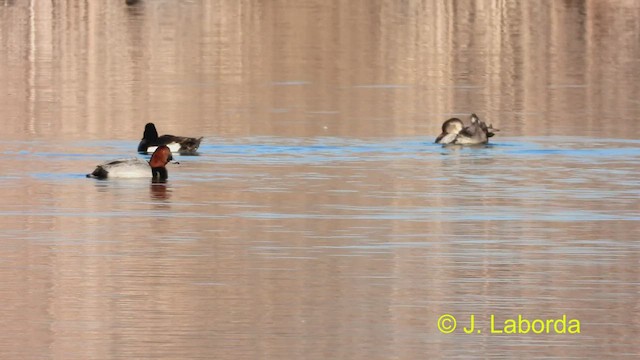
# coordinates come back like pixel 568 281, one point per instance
pixel 174 147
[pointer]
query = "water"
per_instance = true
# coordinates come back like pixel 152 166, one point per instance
pixel 319 220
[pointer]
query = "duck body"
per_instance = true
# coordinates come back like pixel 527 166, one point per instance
pixel 135 167
pixel 122 168
pixel 180 144
pixel 474 132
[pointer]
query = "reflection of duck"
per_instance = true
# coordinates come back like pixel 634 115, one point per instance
pixel 454 131
pixel 150 141
pixel 159 191
pixel 136 168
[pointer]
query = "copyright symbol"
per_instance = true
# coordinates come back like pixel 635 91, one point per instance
pixel 446 323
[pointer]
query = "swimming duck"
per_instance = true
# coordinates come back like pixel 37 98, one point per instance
pixel 151 140
pixel 454 131
pixel 135 167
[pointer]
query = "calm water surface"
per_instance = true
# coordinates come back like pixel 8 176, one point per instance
pixel 319 220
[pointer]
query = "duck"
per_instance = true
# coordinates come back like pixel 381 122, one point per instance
pixel 454 131
pixel 135 167
pixel 180 144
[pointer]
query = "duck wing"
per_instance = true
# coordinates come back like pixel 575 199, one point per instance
pixel 186 144
pixel 471 135
pixel 469 131
pixel 446 138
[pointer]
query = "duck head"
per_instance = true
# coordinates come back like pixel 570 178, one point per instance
pixel 159 159
pixel 150 132
pixel 450 130
pixel 161 156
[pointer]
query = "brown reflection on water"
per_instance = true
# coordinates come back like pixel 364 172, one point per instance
pixel 294 254
pixel 316 68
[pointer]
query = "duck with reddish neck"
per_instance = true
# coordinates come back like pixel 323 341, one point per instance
pixel 135 167
pixel 180 144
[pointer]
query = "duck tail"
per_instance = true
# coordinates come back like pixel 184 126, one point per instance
pixel 190 145
pixel 98 173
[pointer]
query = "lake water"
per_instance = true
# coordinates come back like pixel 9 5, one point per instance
pixel 319 220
